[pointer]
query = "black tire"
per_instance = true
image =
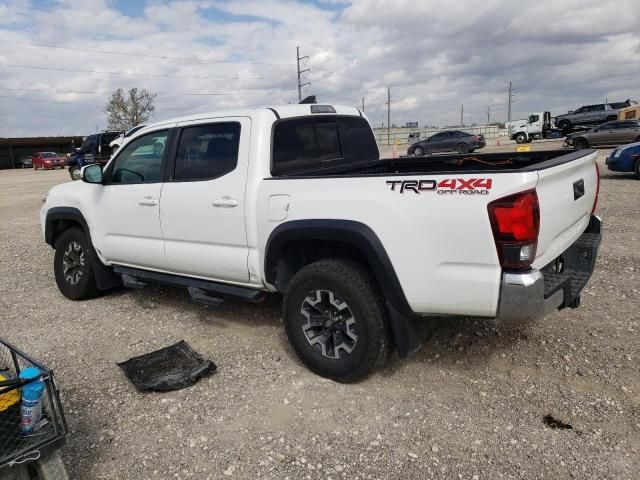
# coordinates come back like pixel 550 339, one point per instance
pixel 636 169
pixel 77 280
pixel 580 143
pixel 521 138
pixel 564 125
pixel 74 172
pixel 50 467
pixel 418 151
pixel 347 283
pixel 462 148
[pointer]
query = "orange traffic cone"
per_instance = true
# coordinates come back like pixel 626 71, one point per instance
pixel 497 142
pixel 395 151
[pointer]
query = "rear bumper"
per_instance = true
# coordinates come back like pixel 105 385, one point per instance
pixel 534 293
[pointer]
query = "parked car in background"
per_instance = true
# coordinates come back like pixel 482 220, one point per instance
pixel 47 160
pixel 625 159
pixel 118 141
pixel 449 141
pixel 25 161
pixel 610 133
pixel 590 115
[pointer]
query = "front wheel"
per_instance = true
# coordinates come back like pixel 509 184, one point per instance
pixel 74 172
pixel 72 266
pixel 335 320
pixel 580 143
pixel 418 151
pixel 521 138
pixel 637 169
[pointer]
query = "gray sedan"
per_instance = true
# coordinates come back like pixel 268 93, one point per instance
pixel 609 133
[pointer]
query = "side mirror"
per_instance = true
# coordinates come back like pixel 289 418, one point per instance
pixel 92 173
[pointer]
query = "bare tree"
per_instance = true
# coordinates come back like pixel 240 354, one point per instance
pixel 128 109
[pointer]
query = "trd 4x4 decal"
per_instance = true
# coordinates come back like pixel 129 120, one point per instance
pixel 448 186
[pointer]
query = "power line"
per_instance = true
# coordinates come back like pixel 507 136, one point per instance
pixel 51 101
pixel 164 75
pixel 137 54
pixel 102 92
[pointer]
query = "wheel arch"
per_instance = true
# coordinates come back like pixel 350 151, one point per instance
pixel 296 243
pixel 60 219
pixel 315 239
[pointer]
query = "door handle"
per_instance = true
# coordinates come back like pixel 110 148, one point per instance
pixel 225 202
pixel 148 202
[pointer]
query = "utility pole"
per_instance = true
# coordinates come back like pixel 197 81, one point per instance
pixel 510 100
pixel 363 104
pixel 462 115
pixel 388 115
pixel 300 72
pixel 488 114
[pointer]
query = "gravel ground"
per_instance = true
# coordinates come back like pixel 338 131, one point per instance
pixel 469 405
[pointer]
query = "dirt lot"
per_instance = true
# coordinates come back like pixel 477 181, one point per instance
pixel 469 405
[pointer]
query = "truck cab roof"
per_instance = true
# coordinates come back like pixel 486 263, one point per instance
pixel 278 111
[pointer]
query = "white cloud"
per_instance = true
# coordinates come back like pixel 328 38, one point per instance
pixel 433 55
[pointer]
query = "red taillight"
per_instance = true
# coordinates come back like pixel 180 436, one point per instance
pixel 595 201
pixel 515 221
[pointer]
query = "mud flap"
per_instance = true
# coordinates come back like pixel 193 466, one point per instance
pixel 405 333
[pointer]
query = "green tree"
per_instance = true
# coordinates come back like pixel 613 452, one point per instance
pixel 127 109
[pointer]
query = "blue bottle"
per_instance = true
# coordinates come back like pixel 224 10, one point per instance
pixel 31 406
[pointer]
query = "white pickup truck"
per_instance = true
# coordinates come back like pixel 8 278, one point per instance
pixel 295 199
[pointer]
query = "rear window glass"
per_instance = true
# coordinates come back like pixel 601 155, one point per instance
pixel 302 144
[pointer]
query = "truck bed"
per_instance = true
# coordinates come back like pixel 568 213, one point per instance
pixel 443 164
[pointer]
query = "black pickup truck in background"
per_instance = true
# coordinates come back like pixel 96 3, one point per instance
pixel 94 149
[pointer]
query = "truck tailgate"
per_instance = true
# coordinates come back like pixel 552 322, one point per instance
pixel 566 194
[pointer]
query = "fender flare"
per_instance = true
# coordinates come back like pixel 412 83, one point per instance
pixel 63 213
pixel 401 317
pixel 105 277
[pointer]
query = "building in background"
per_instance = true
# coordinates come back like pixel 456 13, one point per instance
pixel 14 149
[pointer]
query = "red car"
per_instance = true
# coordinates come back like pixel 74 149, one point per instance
pixel 47 160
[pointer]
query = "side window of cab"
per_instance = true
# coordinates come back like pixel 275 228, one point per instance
pixel 140 161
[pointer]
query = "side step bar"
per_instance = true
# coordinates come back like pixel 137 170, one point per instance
pixel 202 291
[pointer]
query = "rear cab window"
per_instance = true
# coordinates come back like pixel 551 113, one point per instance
pixel 311 143
pixel 207 151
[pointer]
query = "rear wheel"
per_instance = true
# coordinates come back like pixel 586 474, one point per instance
pixel 462 148
pixel 580 143
pixel 521 138
pixel 564 125
pixel 637 169
pixel 72 266
pixel 335 320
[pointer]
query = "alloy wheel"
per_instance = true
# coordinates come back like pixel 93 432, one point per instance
pixel 328 324
pixel 73 263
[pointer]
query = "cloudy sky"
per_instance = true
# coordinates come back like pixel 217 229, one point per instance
pixel 59 60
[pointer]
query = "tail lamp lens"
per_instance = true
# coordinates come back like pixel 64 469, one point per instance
pixel 595 201
pixel 515 221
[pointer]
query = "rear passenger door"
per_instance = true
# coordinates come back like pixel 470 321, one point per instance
pixel 202 205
